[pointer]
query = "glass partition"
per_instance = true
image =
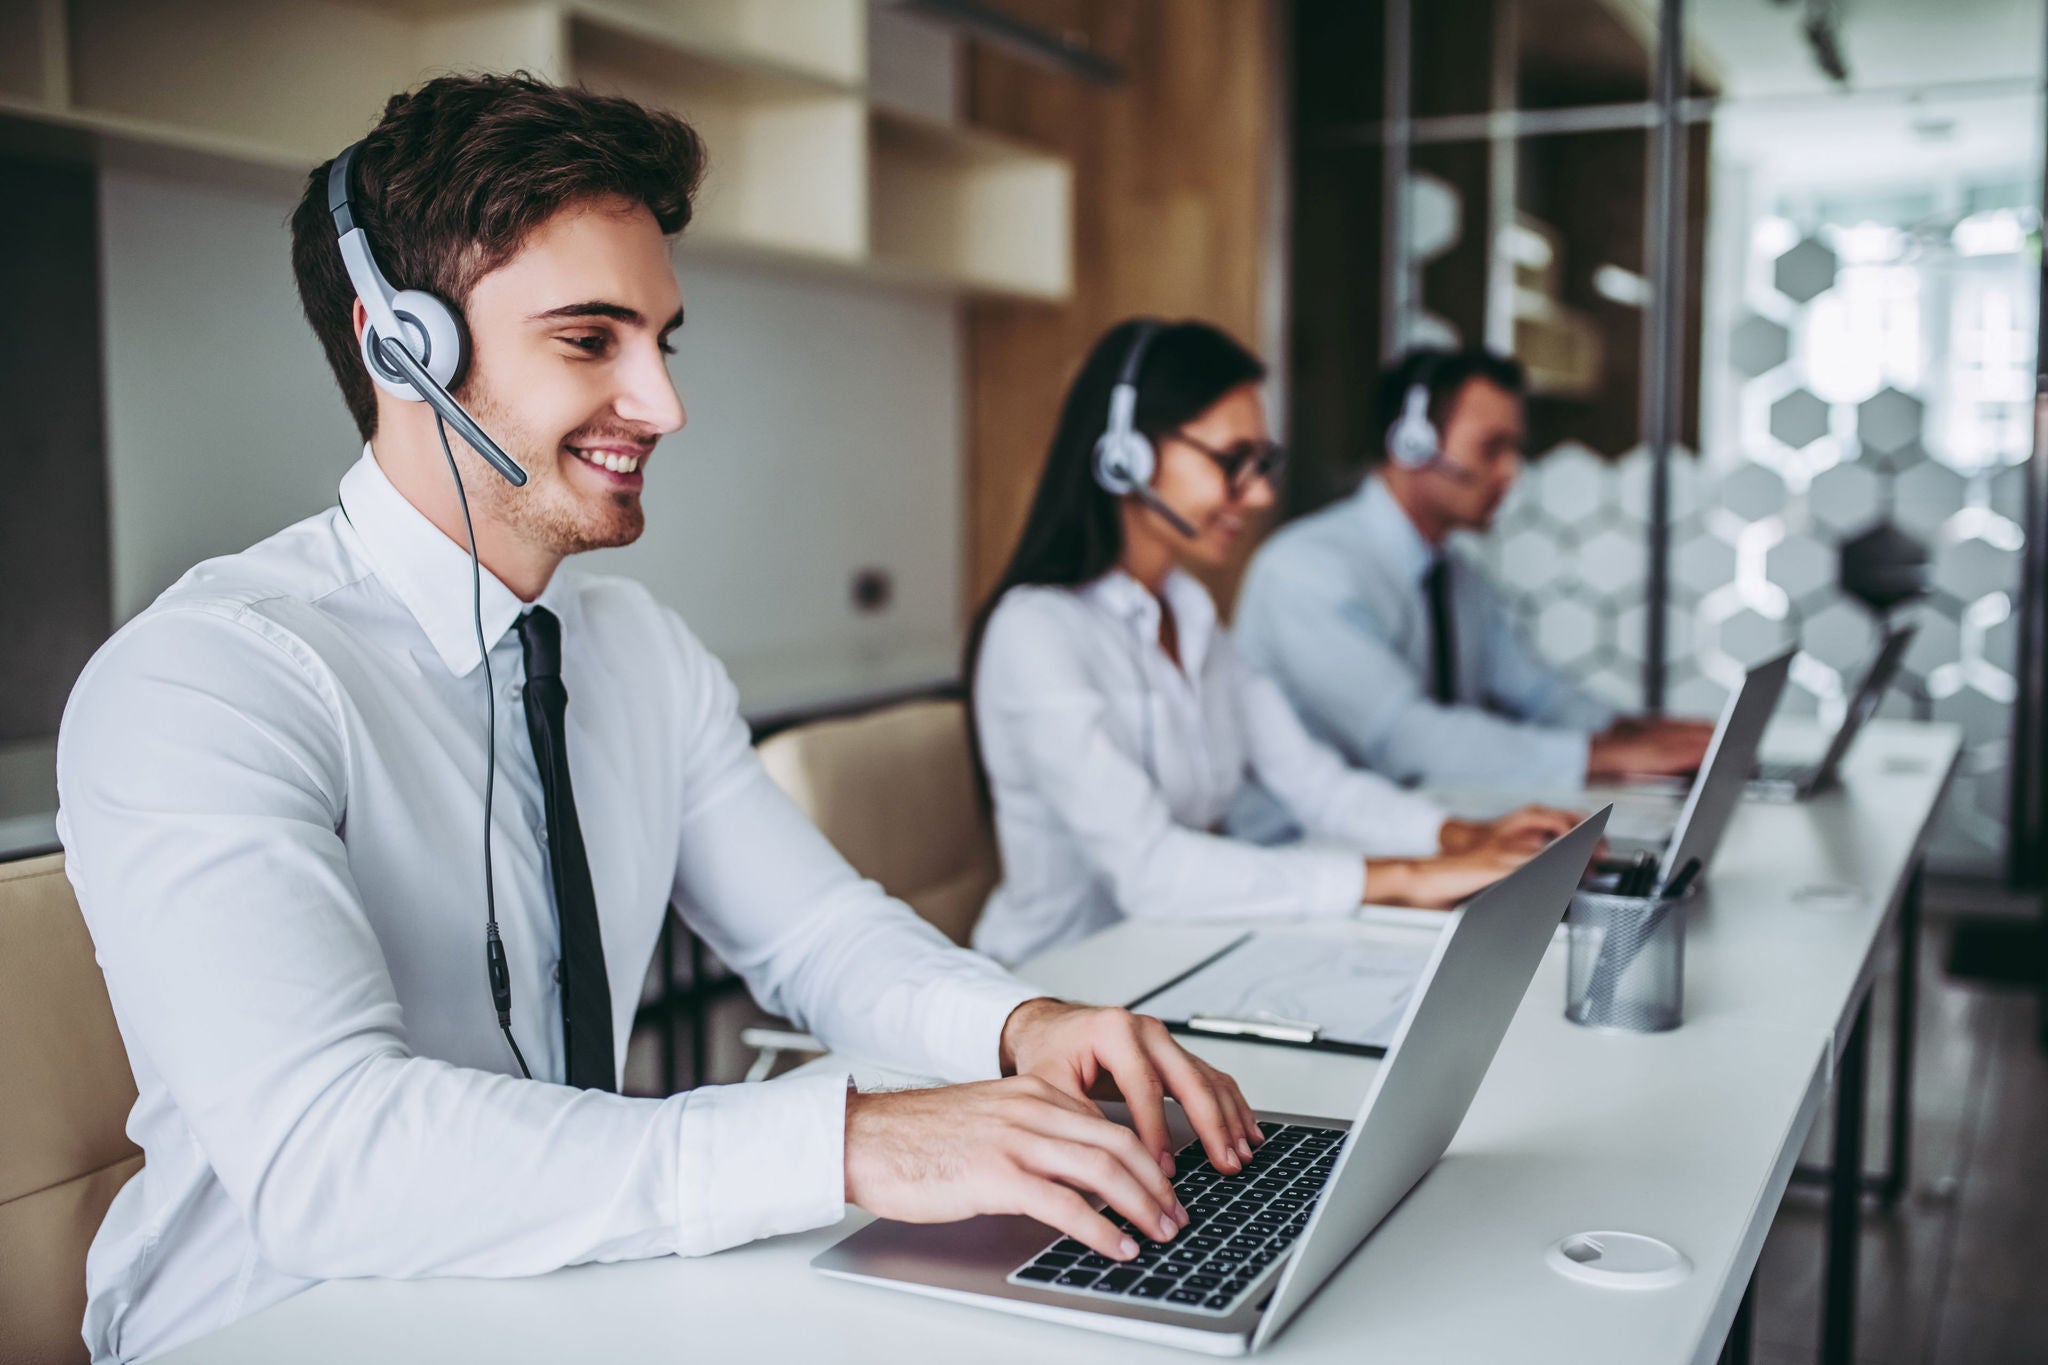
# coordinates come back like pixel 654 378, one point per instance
pixel 1845 361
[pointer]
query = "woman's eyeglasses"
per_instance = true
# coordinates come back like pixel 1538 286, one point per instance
pixel 1242 461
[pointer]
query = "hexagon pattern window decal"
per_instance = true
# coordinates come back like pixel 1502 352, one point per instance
pixel 1818 524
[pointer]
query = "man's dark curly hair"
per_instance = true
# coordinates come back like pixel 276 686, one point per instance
pixel 458 173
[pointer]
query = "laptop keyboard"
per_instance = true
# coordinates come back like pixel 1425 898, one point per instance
pixel 1240 1229
pixel 1788 774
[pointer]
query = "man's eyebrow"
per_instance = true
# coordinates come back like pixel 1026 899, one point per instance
pixel 598 308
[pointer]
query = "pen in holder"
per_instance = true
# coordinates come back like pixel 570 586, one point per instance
pixel 1626 967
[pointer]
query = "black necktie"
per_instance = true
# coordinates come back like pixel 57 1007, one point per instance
pixel 1443 640
pixel 586 993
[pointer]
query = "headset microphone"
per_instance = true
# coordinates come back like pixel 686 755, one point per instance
pixel 1124 458
pixel 1143 493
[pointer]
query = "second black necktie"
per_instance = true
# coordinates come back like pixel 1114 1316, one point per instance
pixel 586 990
pixel 1443 635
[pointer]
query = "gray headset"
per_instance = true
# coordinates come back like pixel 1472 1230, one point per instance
pixel 414 345
pixel 1413 440
pixel 1124 458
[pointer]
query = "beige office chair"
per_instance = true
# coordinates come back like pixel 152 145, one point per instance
pixel 894 791
pixel 63 1151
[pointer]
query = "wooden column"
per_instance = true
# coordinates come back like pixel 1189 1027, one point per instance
pixel 1171 170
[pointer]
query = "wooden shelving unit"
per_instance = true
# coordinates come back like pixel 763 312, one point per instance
pixel 949 204
pixel 805 167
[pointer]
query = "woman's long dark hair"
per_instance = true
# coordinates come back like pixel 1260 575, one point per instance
pixel 1073 534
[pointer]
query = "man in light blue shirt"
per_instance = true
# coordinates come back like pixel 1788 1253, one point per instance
pixel 1401 653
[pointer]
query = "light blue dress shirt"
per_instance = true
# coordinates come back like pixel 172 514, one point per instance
pixel 1334 610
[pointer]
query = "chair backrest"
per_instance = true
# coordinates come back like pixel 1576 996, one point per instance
pixel 894 791
pixel 67 1087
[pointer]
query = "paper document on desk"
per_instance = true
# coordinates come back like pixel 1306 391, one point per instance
pixel 1351 991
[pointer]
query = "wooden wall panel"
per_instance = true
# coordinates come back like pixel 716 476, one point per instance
pixel 1171 170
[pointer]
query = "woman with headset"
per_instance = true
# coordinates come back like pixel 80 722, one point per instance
pixel 1116 725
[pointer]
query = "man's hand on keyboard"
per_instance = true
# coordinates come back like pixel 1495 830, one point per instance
pixel 1648 747
pixel 1017 1145
pixel 1109 1053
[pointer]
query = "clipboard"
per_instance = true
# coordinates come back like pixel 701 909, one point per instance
pixel 1320 964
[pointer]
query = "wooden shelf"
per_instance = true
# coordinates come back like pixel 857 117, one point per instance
pixel 805 167
pixel 281 84
pixel 788 155
pixel 956 204
pixel 826 40
pixel 823 39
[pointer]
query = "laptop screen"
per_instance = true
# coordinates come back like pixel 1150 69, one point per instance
pixel 1725 773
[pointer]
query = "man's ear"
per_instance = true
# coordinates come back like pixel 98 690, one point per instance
pixel 359 318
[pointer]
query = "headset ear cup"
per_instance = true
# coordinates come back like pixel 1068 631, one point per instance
pixel 1414 441
pixel 431 327
pixel 1123 460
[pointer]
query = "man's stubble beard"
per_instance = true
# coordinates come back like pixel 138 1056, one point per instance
pixel 545 512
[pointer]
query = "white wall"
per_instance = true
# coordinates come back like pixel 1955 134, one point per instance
pixel 222 422
pixel 824 433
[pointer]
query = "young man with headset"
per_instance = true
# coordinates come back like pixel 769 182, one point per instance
pixel 374 955
pixel 1398 651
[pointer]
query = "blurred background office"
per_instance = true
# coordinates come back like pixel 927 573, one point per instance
pixel 1773 266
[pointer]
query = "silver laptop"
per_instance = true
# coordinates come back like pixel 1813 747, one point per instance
pixel 1259 1244
pixel 1797 781
pixel 1723 774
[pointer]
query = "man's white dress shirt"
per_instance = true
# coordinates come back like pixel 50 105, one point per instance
pixel 271 785
pixel 1109 766
pixel 1334 610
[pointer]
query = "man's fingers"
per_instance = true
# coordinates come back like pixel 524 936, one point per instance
pixel 1058 1207
pixel 1227 1087
pixel 1223 1136
pixel 1144 1094
pixel 1094 1131
pixel 1547 820
pixel 1109 1176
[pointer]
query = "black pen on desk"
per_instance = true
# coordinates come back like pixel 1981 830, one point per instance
pixel 1683 881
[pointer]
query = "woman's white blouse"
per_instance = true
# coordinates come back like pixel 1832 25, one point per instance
pixel 1110 767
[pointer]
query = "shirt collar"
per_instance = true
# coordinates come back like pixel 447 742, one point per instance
pixel 1391 535
pixel 1194 611
pixel 429 572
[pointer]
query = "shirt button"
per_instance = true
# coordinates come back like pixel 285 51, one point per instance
pixel 558 973
pixel 540 832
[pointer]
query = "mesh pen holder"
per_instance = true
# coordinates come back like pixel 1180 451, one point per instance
pixel 1626 965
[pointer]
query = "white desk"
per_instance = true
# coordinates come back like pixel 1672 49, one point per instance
pixel 1795 912
pixel 1572 1131
pixel 1765 942
pixel 1689 1135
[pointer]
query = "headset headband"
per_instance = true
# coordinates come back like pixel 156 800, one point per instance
pixel 1123 399
pixel 370 285
pixel 1134 359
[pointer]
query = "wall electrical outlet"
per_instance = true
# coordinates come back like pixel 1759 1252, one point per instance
pixel 872 590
